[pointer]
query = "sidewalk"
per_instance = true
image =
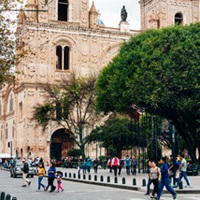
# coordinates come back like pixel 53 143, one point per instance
pixel 194 180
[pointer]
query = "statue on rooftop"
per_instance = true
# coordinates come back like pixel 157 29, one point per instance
pixel 123 14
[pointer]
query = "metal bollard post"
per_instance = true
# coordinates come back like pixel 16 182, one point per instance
pixel 3 195
pixel 180 185
pixel 95 178
pixel 84 176
pixel 108 179
pixel 8 197
pixel 74 176
pixel 144 183
pixel 101 178
pixel 70 175
pixel 79 176
pixel 134 181
pixel 116 181
pixel 14 198
pixel 123 181
pixel 65 174
pixel 89 177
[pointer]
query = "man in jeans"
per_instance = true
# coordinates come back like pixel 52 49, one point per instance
pixel 134 163
pixel 165 180
pixel 183 170
pixel 25 170
pixel 127 163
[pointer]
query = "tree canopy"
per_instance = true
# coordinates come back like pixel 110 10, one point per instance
pixel 158 70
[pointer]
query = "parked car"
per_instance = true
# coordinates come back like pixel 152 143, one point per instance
pixel 15 169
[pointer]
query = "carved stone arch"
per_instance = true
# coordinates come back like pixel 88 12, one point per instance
pixel 7 94
pixel 63 41
pixel 109 53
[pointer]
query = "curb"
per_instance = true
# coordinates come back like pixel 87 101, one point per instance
pixel 124 187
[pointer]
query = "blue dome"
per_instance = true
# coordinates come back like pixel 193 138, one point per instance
pixel 100 22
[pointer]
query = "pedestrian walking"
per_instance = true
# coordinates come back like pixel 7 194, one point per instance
pixel 110 164
pixel 120 166
pixel 40 174
pixel 89 164
pixel 127 163
pixel 149 180
pixel 95 163
pixel 79 166
pixel 134 163
pixel 171 167
pixel 115 164
pixel 51 177
pixel 165 181
pixel 155 177
pixel 25 170
pixel 183 170
pixel 84 164
pixel 59 181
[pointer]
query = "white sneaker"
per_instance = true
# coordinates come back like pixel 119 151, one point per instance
pixel 37 190
pixel 187 186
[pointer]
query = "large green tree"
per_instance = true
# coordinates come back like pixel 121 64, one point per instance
pixel 158 70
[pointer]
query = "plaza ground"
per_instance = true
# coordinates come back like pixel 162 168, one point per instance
pixel 74 191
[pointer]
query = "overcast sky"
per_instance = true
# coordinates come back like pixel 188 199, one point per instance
pixel 110 12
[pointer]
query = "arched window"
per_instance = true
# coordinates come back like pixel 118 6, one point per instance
pixel 178 18
pixel 66 58
pixel 11 103
pixel 62 10
pixel 62 58
pixel 58 57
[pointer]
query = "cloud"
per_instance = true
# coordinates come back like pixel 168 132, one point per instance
pixel 110 12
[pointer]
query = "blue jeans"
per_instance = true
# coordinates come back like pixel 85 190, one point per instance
pixel 84 170
pixel 88 169
pixel 183 174
pixel 148 186
pixel 40 182
pixel 134 169
pixel 166 183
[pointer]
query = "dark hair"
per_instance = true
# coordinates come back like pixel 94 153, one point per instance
pixel 126 155
pixel 171 156
pixel 163 159
pixel 53 165
pixel 42 165
pixel 182 155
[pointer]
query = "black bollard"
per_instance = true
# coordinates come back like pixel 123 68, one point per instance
pixel 116 181
pixel 14 198
pixel 144 183
pixel 123 181
pixel 70 175
pixel 95 177
pixel 89 177
pixel 3 196
pixel 79 176
pixel 84 176
pixel 108 179
pixel 74 176
pixel 65 174
pixel 180 185
pixel 8 197
pixel 101 178
pixel 134 181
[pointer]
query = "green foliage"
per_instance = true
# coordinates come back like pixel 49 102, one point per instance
pixel 157 70
pixel 74 153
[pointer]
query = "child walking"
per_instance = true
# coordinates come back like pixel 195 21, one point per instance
pixel 59 180
pixel 40 174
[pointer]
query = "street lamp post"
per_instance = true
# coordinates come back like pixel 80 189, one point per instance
pixel 100 132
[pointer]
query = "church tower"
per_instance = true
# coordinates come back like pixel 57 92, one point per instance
pixel 93 15
pixel 168 12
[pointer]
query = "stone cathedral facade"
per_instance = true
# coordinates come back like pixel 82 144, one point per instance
pixel 68 36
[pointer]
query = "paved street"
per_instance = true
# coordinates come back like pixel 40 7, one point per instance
pixel 73 191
